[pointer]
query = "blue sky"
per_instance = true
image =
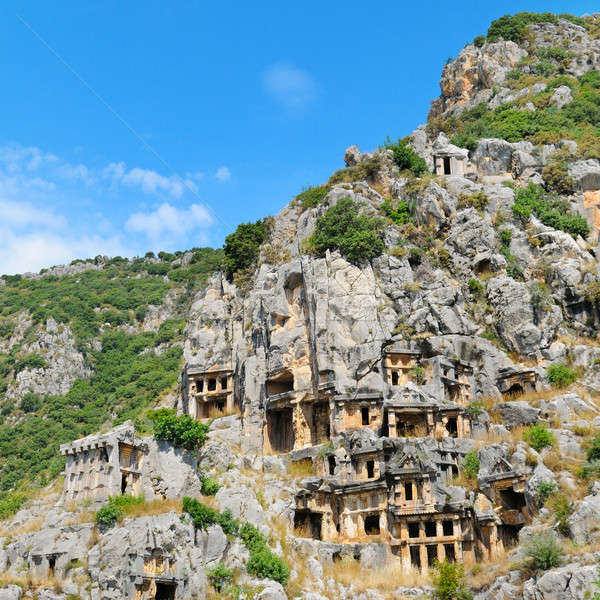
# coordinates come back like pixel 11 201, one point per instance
pixel 237 106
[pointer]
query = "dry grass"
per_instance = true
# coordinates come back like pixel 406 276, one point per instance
pixel 385 580
pixel 27 527
pixel 485 573
pixel 300 468
pixel 215 413
pixel 462 480
pixel 155 507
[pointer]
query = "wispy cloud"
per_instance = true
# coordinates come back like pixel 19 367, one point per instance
pixel 147 180
pixel 223 174
pixel 293 88
pixel 169 221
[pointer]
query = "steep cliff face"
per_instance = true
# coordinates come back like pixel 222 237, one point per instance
pixel 420 385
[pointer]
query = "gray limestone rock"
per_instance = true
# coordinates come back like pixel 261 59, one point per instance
pixel 517 413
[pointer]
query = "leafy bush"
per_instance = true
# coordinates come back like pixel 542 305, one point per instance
pixel 241 247
pixel 406 158
pixel 170 330
pixel 210 486
pixel 312 196
pixel 183 431
pixel 562 508
pixel 479 41
pixel 31 361
pixel 400 215
pixel 551 212
pixel 31 402
pixel 228 523
pixel 593 452
pixel 10 503
pixel 544 490
pixel 108 515
pixel 477 200
pixel 559 375
pixel 513 27
pixel 557 179
pixel 202 516
pixel 544 552
pixel 220 576
pixel 263 563
pixel 470 464
pixel 538 437
pixel 7 328
pixel 473 410
pixel 476 288
pixel 357 237
pixel 449 582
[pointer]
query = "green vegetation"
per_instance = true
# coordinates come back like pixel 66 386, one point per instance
pixel 401 213
pixel 31 402
pixel 357 237
pixel 183 431
pixel 577 120
pixel 210 486
pixel 125 382
pixel 170 331
pixel 473 410
pixel 514 27
pixel 513 269
pixel 538 437
pixel 562 508
pixel 116 509
pixel 263 562
pixel 477 289
pixel 405 158
pixel 593 452
pixel 220 577
pixel 544 490
pixel 366 169
pixel 549 209
pixel 31 361
pixel 241 247
pixel 477 200
pixel 470 464
pixel 559 375
pixel 10 503
pixel 544 552
pixel 449 582
pixel 312 196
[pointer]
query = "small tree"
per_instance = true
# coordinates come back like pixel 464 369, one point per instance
pixel 220 576
pixel 593 452
pixel 538 437
pixel 242 246
pixel 449 583
pixel 559 375
pixel 544 552
pixel 471 464
pixel 183 431
pixel 357 237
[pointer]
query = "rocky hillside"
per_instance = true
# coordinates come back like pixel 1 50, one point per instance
pixel 388 390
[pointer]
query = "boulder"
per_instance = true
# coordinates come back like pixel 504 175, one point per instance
pixel 517 413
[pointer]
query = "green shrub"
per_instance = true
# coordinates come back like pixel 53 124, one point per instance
pixel 312 196
pixel 449 582
pixel 505 237
pixel 559 375
pixel 593 452
pixel 125 501
pixel 108 515
pixel 479 41
pixel 31 402
pixel 473 410
pixel 357 237
pixel 544 490
pixel 470 464
pixel 562 508
pixel 477 200
pixel 263 563
pixel 544 552
pixel 533 199
pixel 170 330
pixel 183 431
pixel 513 27
pixel 210 486
pixel 228 524
pixel 557 179
pixel 7 328
pixel 476 288
pixel 400 215
pixel 10 503
pixel 241 247
pixel 31 361
pixel 220 576
pixel 202 516
pixel 538 437
pixel 406 158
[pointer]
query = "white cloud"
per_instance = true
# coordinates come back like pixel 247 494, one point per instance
pixel 24 214
pixel 147 180
pixel 223 174
pixel 168 221
pixel 293 88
